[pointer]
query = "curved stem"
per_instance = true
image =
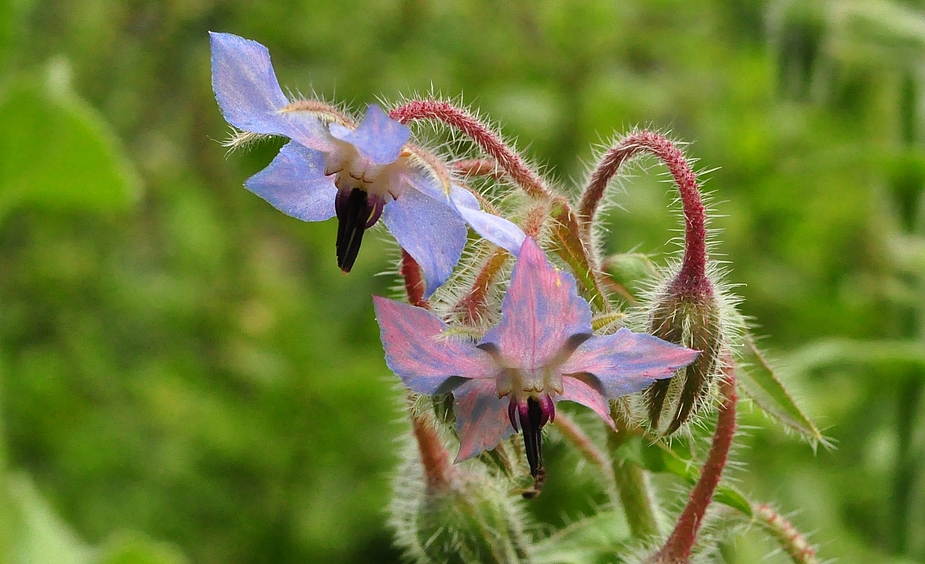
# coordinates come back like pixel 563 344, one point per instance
pixel 677 548
pixel 481 134
pixel 571 431
pixel 693 268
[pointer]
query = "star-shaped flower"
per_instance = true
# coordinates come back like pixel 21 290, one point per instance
pixel 356 173
pixel 542 351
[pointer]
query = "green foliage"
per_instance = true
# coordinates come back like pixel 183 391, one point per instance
pixel 57 152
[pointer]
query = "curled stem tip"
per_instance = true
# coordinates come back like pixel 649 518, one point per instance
pixel 695 248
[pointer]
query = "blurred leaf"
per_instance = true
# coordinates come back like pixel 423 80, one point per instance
pixel 12 16
pixel 759 380
pixel 135 548
pixel 56 151
pixel 599 538
pixel 41 537
pixel 827 352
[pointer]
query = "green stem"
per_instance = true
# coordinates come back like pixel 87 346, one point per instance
pixel 632 485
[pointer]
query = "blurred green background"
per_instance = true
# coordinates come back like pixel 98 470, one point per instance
pixel 186 376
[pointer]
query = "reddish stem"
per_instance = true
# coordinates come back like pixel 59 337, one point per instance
pixel 414 281
pixel 488 140
pixel 435 459
pixel 678 547
pixel 694 265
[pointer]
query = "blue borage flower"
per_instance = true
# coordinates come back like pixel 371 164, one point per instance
pixel 542 351
pixel 356 173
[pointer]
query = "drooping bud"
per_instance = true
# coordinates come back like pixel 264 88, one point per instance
pixel 685 312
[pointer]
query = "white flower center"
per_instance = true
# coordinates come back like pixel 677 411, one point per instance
pixel 352 171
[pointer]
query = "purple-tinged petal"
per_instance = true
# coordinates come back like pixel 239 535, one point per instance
pixel 296 185
pixel 580 391
pixel 419 353
pixel 627 362
pixel 481 417
pixel 540 311
pixel 250 97
pixel 245 84
pixel 378 137
pixel 496 229
pixel 429 231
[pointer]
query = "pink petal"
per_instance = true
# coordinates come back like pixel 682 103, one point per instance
pixel 627 362
pixel 579 391
pixel 540 312
pixel 481 418
pixel 418 352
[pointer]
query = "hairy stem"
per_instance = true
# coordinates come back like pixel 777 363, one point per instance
pixel 792 541
pixel 481 134
pixel 438 467
pixel 571 431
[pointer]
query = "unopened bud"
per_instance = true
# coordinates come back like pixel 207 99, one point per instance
pixel 686 314
pixel 469 517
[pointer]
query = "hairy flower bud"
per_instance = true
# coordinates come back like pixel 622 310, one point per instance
pixel 467 517
pixel 686 312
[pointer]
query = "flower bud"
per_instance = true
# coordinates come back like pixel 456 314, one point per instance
pixel 468 517
pixel 686 312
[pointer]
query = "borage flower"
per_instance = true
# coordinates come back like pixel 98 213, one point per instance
pixel 541 352
pixel 357 173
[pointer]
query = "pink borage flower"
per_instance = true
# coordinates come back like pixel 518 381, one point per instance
pixel 541 352
pixel 356 172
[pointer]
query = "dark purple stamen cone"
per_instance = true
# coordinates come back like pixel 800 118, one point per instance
pixel 533 415
pixel 355 213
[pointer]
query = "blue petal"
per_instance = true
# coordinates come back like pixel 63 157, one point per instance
pixel 429 231
pixel 245 84
pixel 296 185
pixel 378 137
pixel 496 229
pixel 249 95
